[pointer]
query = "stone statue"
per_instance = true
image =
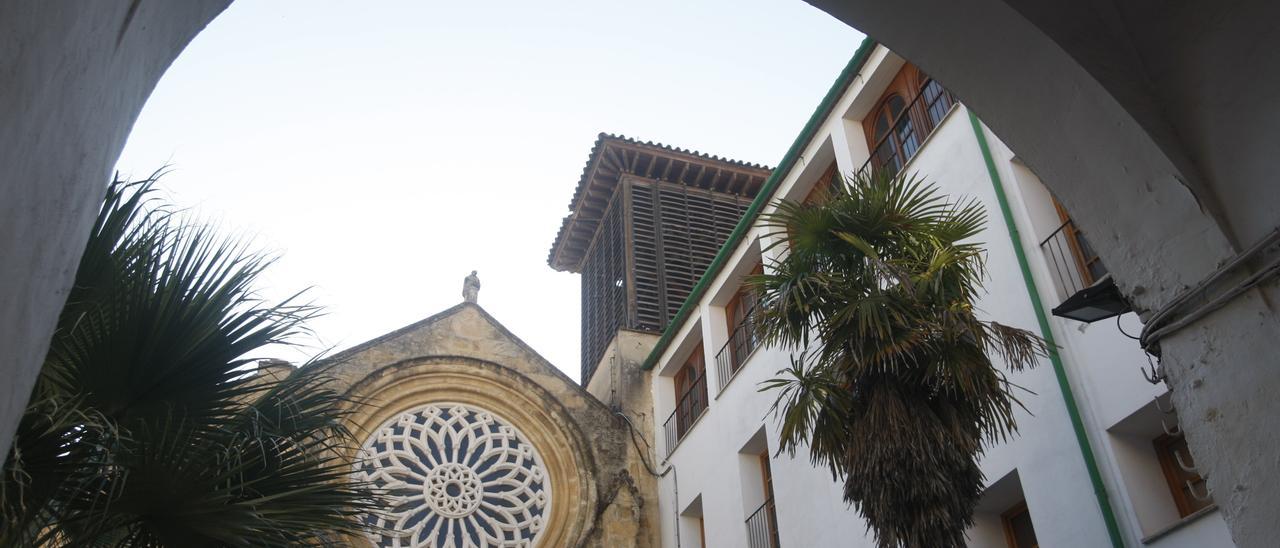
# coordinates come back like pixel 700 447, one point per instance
pixel 471 288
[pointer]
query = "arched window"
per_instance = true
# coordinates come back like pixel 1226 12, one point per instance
pixel 894 134
pixel 455 475
pixel 911 107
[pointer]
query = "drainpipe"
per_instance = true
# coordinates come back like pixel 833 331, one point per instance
pixel 1082 439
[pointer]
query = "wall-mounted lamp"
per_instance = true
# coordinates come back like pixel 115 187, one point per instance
pixel 1099 301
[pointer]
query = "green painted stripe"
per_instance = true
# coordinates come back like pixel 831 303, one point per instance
pixel 766 193
pixel 1082 439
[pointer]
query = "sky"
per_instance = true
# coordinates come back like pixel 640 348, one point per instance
pixel 383 150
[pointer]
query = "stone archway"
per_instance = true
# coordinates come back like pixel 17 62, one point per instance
pixel 75 79
pixel 1161 122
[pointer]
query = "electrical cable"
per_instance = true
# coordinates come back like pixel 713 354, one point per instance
pixel 1121 328
pixel 675 478
pixel 1270 270
pixel 1159 325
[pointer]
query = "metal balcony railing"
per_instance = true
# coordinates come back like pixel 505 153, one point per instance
pixel 743 340
pixel 909 129
pixel 1072 261
pixel 762 527
pixel 691 406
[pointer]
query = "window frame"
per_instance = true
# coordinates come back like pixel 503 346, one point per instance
pixel 1006 521
pixel 910 85
pixel 890 137
pixel 1166 447
pixel 821 188
pixel 770 503
pixel 1077 243
pixel 736 319
pixel 684 386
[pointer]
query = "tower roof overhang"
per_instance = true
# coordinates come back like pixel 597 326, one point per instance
pixel 614 156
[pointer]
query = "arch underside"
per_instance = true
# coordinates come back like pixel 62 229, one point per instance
pixel 1154 123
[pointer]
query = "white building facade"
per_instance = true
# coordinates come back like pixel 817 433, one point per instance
pixel 1098 460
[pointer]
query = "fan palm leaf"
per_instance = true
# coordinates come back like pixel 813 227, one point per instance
pixel 147 426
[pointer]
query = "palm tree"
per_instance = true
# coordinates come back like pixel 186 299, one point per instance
pixel 892 384
pixel 147 426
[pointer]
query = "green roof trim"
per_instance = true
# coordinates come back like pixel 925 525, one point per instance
pixel 766 193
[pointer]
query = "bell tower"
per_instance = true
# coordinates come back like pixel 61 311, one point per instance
pixel 645 222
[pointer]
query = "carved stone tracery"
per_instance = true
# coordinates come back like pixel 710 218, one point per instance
pixel 457 476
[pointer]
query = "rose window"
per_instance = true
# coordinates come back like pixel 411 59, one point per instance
pixel 456 476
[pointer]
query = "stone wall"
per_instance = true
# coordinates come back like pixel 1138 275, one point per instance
pixel 622 384
pixel 620 381
pixel 601 487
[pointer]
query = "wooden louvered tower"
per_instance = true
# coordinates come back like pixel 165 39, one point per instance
pixel 645 222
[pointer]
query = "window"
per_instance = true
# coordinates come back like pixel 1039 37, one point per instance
pixel 822 187
pixel 1075 264
pixel 893 142
pixel 937 100
pixel 1018 530
pixel 690 386
pixel 1186 486
pixel 741 313
pixel 762 525
pixel 744 332
pixel 455 472
pixel 694 522
pixel 691 391
pixel 912 106
pixel 819 192
pixel 1155 467
pixel 1091 268
pixel 766 477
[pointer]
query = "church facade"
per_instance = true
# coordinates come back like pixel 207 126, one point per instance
pixel 479 441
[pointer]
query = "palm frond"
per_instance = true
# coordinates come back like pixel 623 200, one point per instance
pixel 146 427
pixel 894 386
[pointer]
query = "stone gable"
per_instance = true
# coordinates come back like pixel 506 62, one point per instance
pixel 603 493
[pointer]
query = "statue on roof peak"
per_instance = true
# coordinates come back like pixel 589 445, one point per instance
pixel 471 288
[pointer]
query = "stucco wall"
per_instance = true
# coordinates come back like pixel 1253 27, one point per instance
pixel 1151 124
pixel 75 75
pixel 1046 454
pixel 1102 366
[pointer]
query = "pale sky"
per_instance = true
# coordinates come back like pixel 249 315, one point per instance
pixel 385 149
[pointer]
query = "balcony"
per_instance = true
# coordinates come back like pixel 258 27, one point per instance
pixel 899 142
pixel 1074 264
pixel 743 340
pixel 690 407
pixel 1076 268
pixel 762 527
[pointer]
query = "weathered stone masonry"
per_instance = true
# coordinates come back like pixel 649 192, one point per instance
pixel 602 493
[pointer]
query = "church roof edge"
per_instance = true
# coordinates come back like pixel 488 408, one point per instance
pixel 352 351
pixel 343 354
